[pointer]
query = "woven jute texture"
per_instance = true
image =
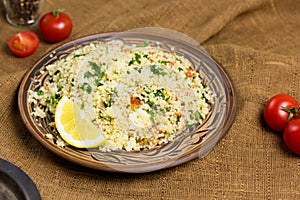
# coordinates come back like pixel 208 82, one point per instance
pixel 257 42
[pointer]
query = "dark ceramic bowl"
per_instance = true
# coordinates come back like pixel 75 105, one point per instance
pixel 15 184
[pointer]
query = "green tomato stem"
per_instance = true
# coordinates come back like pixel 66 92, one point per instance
pixel 293 112
pixel 56 12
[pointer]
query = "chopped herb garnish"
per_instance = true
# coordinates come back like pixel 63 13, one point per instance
pixel 98 82
pixel 180 69
pixel 168 109
pixel 156 70
pixel 82 105
pixel 159 93
pixel 178 117
pixel 145 140
pixel 78 55
pixel 59 88
pixel 108 103
pixel 107 118
pixel 146 43
pixel 151 115
pixel 178 59
pixel 56 72
pixel 146 56
pixel 55 99
pixel 98 71
pixel 137 59
pixel 72 82
pixel 110 118
pixel 138 69
pixel 88 74
pixel 165 62
pixel 40 92
pixel 150 103
pixel 198 115
pixel 130 62
pixel 86 87
pixel 167 98
pixel 114 92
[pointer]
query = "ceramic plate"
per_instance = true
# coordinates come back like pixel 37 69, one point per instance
pixel 193 143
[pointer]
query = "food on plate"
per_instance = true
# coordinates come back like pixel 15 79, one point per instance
pixel 74 127
pixel 24 44
pixel 138 97
pixel 279 110
pixel 55 26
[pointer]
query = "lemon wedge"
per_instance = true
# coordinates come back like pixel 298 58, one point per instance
pixel 75 127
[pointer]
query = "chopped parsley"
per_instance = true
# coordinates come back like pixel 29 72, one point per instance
pixel 151 113
pixel 86 87
pixel 176 58
pixel 138 69
pixel 159 93
pixel 78 55
pixel 56 72
pixel 108 103
pixel 150 103
pixel 197 115
pixel 157 71
pixel 180 69
pixel 146 43
pixel 88 74
pixel 39 92
pixel 168 109
pixel 54 99
pixel 97 70
pixel 107 118
pixel 165 62
pixel 146 56
pixel 136 59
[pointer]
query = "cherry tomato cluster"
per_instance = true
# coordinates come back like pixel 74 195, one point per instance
pixel 282 113
pixel 54 27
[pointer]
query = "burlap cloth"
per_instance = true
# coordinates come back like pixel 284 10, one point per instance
pixel 256 41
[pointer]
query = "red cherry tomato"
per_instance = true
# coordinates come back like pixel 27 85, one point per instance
pixel 24 43
pixel 291 135
pixel 55 26
pixel 275 116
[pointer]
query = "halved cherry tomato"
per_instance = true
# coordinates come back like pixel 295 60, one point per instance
pixel 274 113
pixel 24 43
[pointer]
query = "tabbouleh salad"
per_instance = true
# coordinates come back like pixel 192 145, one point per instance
pixel 139 97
